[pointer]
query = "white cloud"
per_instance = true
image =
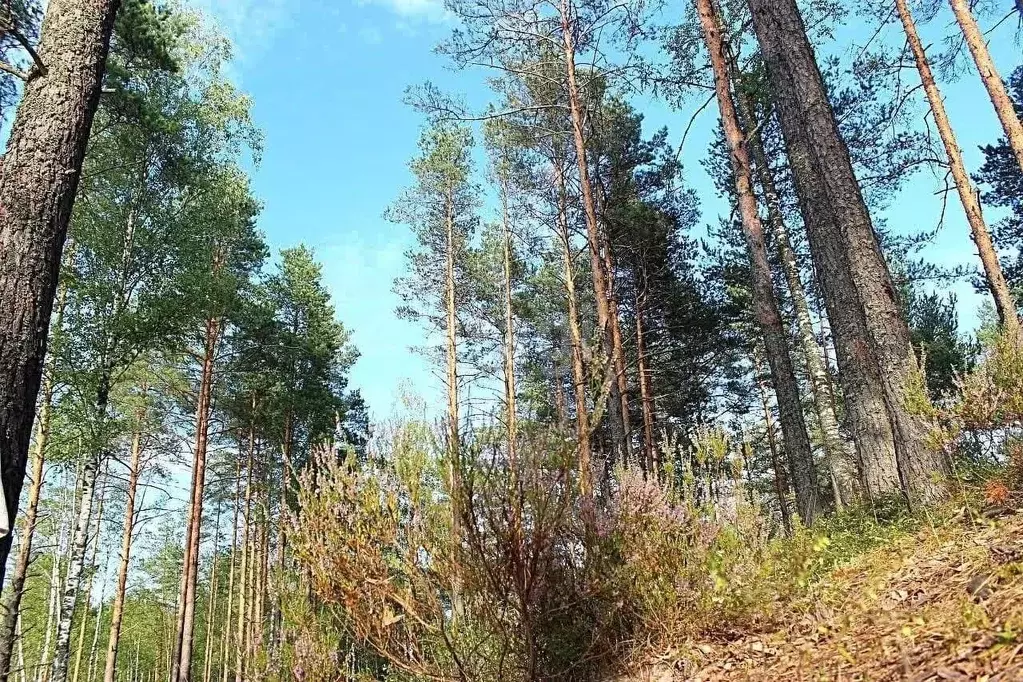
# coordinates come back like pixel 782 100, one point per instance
pixel 251 24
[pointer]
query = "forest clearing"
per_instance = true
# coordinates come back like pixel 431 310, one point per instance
pixel 500 340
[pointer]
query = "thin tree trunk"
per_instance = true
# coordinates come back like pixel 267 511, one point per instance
pixel 94 647
pixel 989 75
pixel 194 539
pixel 52 612
pixel 211 605
pixel 797 442
pixel 996 283
pixel 509 332
pixel 80 650
pixel 38 183
pixel 875 354
pixel 241 641
pixel 454 446
pixel 231 575
pixel 781 483
pixel 582 415
pixel 645 388
pixel 117 611
pixel 600 285
pixel 76 563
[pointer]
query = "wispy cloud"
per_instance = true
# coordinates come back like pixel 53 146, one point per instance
pixel 251 24
pixel 413 10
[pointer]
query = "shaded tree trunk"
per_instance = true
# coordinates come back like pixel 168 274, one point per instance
pixel 781 483
pixel 876 358
pixel 650 463
pixel 989 75
pixel 41 169
pixel 224 663
pixel 797 442
pixel 244 605
pixel 509 331
pixel 996 283
pixel 83 626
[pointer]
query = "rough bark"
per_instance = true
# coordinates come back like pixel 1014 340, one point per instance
pixel 996 283
pixel 38 182
pixel 876 358
pixel 117 610
pixel 989 75
pixel 824 404
pixel 797 442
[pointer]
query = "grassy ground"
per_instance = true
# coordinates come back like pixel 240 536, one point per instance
pixel 943 603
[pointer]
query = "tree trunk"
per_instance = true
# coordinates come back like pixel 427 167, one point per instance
pixel 593 237
pixel 76 556
pixel 52 611
pixel 582 415
pixel 193 540
pixel 781 483
pixel 989 75
pixel 80 649
pixel 824 405
pixel 509 332
pixel 41 169
pixel 241 642
pixel 876 358
pixel 645 388
pixel 996 283
pixel 797 442
pixel 211 605
pixel 117 611
pixel 226 641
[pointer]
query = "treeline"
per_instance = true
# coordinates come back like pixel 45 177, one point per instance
pixel 642 417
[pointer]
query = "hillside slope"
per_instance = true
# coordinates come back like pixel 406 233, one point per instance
pixel 944 604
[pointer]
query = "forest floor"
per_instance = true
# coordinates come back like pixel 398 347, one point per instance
pixel 945 603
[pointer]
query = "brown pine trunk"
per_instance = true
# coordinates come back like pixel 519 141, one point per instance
pixel 875 355
pixel 244 604
pixel 41 169
pixel 996 283
pixel 183 666
pixel 601 292
pixel 117 611
pixel 989 75
pixel 645 387
pixel 582 415
pixel 226 640
pixel 509 331
pixel 211 605
pixel 797 442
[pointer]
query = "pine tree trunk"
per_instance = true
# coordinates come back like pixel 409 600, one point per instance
pixel 454 446
pixel 117 611
pixel 645 387
pixel 781 483
pixel 876 358
pixel 211 605
pixel 226 639
pixel 241 642
pixel 597 266
pixel 797 442
pixel 41 169
pixel 194 538
pixel 52 612
pixel 824 405
pixel 996 283
pixel 989 75
pixel 509 332
pixel 582 415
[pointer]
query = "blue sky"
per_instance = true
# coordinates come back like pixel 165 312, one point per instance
pixel 327 79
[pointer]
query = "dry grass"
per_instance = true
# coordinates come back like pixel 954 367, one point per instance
pixel 942 604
